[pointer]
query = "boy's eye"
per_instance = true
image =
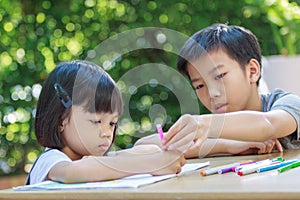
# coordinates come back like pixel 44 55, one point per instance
pixel 96 121
pixel 199 86
pixel 220 76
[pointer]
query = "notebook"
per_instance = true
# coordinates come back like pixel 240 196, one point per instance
pixel 134 181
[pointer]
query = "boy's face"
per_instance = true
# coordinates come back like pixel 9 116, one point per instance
pixel 221 84
pixel 88 133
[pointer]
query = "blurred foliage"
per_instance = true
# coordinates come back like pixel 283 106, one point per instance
pixel 36 35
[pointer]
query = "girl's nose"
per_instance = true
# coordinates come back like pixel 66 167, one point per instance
pixel 105 134
pixel 106 131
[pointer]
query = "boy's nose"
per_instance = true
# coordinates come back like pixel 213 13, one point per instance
pixel 214 92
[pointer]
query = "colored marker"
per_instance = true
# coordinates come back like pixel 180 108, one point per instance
pixel 251 168
pixel 229 169
pixel 290 166
pixel 275 166
pixel 277 159
pixel 160 131
pixel 216 169
pixel 235 168
pixel 250 165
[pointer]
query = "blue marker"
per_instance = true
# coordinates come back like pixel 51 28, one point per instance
pixel 275 166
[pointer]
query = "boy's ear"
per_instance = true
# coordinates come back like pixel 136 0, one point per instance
pixel 253 68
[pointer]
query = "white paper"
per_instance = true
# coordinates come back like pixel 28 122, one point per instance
pixel 134 181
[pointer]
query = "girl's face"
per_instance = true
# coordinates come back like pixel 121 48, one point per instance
pixel 222 85
pixel 87 133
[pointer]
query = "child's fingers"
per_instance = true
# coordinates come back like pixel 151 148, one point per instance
pixel 176 128
pixel 269 146
pixel 261 147
pixel 193 151
pixel 278 145
pixel 182 160
pixel 181 144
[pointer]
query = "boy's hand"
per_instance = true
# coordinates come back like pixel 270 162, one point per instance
pixel 245 148
pixel 272 145
pixel 183 134
pixel 278 145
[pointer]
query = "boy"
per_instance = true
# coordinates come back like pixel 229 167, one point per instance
pixel 223 64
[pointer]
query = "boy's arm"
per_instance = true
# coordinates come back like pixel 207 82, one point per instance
pixel 240 125
pixel 217 146
pixel 107 168
pixel 253 125
pixel 224 146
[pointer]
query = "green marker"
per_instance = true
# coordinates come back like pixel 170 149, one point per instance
pixel 280 159
pixel 290 166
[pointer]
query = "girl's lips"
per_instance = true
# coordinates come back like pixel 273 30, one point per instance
pixel 104 146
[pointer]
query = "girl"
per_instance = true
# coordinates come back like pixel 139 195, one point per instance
pixel 76 119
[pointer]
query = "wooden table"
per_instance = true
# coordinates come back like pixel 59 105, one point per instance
pixel 267 185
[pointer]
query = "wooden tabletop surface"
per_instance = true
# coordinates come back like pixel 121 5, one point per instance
pixel 267 185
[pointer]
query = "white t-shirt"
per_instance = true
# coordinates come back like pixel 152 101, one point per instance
pixel 43 165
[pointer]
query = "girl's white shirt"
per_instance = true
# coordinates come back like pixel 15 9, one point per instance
pixel 44 163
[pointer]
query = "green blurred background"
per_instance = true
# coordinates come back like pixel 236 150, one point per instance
pixel 35 35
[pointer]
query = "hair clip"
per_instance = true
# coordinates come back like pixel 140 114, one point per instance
pixel 63 96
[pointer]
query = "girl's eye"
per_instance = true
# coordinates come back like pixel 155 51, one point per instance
pixel 220 76
pixel 199 86
pixel 113 123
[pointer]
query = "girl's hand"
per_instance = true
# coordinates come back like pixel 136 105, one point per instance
pixel 172 161
pixel 150 139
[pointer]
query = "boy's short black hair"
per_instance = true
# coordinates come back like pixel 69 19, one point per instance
pixel 239 43
pixel 86 84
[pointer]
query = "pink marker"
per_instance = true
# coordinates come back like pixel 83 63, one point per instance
pixel 160 131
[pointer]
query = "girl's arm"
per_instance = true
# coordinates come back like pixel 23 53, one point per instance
pixel 147 148
pixel 240 125
pixel 107 168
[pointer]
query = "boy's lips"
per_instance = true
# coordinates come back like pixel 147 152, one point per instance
pixel 220 107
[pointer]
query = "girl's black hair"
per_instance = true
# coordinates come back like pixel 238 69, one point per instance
pixel 239 43
pixel 73 83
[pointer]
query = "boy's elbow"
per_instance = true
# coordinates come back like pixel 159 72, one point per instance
pixel 269 131
pixel 278 124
